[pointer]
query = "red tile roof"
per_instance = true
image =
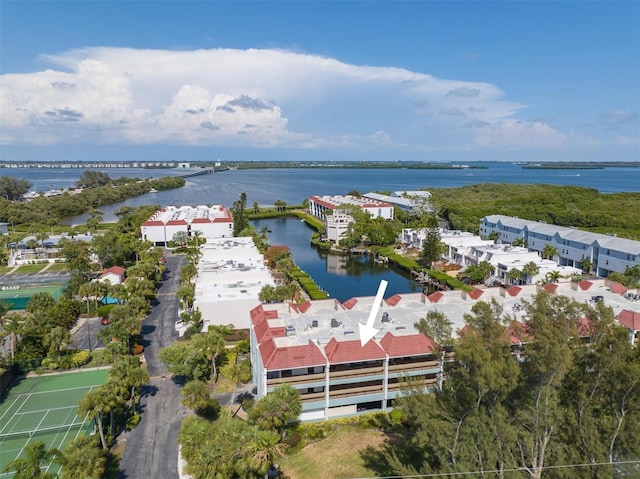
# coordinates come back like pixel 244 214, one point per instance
pixel 435 297
pixel 514 290
pixel 350 303
pixel 300 308
pixel 518 333
pixel 271 313
pixel 630 319
pixel 617 287
pixel 201 220
pixel 290 357
pixel 153 223
pixel 393 300
pixel 117 270
pixel 584 285
pixel 176 222
pixel 550 287
pixel 407 345
pixel 352 351
pixel 584 327
pixel 475 293
pixel 222 220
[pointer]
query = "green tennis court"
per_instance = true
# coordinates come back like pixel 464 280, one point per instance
pixel 18 296
pixel 44 409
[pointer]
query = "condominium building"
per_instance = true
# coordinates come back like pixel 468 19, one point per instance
pixel 319 205
pixel 211 221
pixel 606 253
pixel 315 346
pixel 231 274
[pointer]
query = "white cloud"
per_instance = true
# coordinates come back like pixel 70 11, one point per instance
pixel 511 134
pixel 254 98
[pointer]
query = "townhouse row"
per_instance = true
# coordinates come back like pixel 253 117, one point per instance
pixel 605 253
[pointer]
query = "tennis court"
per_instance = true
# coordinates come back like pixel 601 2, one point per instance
pixel 18 296
pixel 44 409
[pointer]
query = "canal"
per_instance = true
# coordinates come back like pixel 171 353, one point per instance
pixel 343 277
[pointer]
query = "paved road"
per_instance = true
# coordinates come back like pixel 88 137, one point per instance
pixel 86 336
pixel 152 448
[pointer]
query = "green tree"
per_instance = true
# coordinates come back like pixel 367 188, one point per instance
pixel 183 359
pixel 586 265
pixel 212 345
pixel 529 270
pixel 36 457
pixel 549 251
pixel 436 326
pixel 195 395
pixel 83 459
pixel 260 452
pixel 432 246
pixel 239 214
pixel 55 339
pixel 280 205
pixel 13 188
pixel 514 275
pixel 94 179
pixel 277 410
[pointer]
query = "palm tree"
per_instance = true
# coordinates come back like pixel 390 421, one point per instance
pixel 195 395
pixel 280 205
pixel 553 276
pixel 234 371
pixel 212 345
pixel 549 251
pixel 36 456
pixel 93 405
pixel 261 451
pixel 530 270
pixel 83 460
pixel 55 339
pixel 514 275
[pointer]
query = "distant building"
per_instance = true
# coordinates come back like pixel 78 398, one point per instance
pixel 337 226
pixel 210 221
pixel 184 165
pixel 605 252
pixel 4 228
pixel 115 275
pixel 319 205
pixel 414 201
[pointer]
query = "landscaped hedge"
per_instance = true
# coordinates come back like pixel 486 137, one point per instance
pixel 308 284
pixel 408 264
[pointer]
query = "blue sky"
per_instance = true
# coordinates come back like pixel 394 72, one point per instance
pixel 415 80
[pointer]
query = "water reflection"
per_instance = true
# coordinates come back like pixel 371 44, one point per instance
pixel 343 277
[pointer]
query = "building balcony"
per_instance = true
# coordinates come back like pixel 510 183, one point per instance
pixel 296 380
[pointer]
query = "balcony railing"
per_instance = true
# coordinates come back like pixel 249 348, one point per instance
pixel 413 366
pixel 304 378
pixel 356 373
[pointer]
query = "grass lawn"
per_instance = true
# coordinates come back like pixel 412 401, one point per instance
pixel 57 267
pixel 5 269
pixel 31 268
pixel 337 456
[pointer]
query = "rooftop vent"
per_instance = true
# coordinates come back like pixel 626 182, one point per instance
pixel 385 317
pixel 314 323
pixel 335 323
pixel 347 333
pixel 290 330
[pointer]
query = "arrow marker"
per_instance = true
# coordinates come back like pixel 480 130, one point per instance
pixel 367 331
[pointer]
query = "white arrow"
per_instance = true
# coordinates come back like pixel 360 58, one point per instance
pixel 367 331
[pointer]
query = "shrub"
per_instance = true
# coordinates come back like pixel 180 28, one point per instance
pixel 49 363
pixel 133 422
pixel 247 403
pixel 80 359
pixel 105 309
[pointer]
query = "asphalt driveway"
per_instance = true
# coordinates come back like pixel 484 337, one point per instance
pixel 152 448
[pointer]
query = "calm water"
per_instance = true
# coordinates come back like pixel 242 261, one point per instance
pixel 343 277
pixel 293 185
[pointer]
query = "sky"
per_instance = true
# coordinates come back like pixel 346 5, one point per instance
pixel 429 81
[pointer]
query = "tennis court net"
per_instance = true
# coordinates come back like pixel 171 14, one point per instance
pixel 76 426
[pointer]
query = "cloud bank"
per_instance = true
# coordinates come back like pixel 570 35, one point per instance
pixel 257 98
